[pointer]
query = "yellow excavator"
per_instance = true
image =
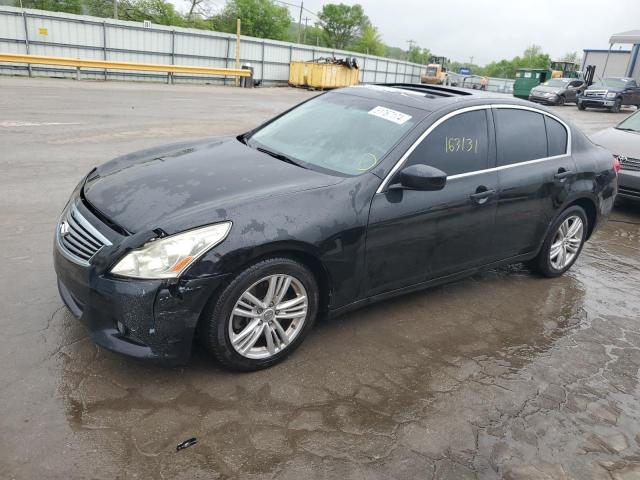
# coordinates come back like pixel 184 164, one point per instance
pixel 436 73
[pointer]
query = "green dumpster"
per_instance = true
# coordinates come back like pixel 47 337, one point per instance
pixel 527 78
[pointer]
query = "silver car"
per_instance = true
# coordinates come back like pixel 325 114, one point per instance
pixel 623 141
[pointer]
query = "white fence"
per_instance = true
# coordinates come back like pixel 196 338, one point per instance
pixel 40 32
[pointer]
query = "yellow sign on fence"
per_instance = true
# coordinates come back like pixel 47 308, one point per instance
pixel 43 31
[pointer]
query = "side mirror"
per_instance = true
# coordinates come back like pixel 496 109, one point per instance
pixel 422 177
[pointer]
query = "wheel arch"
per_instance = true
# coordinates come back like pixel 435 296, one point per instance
pixel 304 253
pixel 589 207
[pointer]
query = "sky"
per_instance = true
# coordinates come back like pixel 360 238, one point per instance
pixel 489 30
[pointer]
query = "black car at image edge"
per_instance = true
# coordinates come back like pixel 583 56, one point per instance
pixel 354 196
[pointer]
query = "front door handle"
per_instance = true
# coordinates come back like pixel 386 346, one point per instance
pixel 481 196
pixel 563 174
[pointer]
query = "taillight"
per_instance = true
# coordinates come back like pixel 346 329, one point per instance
pixel 616 163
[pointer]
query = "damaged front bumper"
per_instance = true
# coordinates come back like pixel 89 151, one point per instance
pixel 145 319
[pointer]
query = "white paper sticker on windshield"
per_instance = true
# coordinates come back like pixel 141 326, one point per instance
pixel 391 115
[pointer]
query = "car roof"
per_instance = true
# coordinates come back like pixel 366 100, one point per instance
pixel 428 97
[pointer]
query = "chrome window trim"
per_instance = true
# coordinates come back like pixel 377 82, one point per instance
pixel 399 163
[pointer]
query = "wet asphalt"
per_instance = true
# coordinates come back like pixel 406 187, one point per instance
pixel 502 375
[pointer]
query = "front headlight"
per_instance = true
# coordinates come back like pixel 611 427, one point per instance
pixel 170 256
pixel 611 94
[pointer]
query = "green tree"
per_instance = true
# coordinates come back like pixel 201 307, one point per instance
pixel 395 52
pixel 160 12
pixel 260 18
pixel 572 57
pixel 98 8
pixel 342 24
pixel 68 6
pixel 369 42
pixel 419 55
pixel 533 57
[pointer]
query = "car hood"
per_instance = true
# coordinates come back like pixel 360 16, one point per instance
pixel 619 142
pixel 602 87
pixel 148 189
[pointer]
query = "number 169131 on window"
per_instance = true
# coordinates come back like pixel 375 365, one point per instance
pixel 460 144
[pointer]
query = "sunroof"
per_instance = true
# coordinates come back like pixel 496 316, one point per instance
pixel 431 90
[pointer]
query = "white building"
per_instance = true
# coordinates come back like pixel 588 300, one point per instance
pixel 623 62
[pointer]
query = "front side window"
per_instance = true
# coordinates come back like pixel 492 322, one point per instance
pixel 520 136
pixel 340 133
pixel 458 145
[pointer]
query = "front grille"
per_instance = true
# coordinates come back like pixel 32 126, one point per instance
pixel 79 239
pixel 627 163
pixel 595 93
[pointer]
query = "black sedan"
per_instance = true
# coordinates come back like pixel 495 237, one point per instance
pixel 354 196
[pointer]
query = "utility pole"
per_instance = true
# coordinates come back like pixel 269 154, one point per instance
pixel 300 20
pixel 237 49
pixel 115 9
pixel 471 60
pixel 304 35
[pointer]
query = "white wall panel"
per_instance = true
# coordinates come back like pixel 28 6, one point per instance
pixel 77 36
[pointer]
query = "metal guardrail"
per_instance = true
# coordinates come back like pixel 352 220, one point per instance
pixel 110 65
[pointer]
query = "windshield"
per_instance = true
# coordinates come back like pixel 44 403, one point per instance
pixel 557 82
pixel 432 71
pixel 630 123
pixel 336 132
pixel 610 83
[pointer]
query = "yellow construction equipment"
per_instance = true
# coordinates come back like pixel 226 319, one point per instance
pixel 322 75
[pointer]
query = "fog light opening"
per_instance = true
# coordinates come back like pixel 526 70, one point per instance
pixel 122 328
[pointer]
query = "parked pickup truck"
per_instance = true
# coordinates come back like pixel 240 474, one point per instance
pixel 611 93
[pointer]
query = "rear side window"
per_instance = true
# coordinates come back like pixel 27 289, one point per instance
pixel 458 145
pixel 556 137
pixel 520 136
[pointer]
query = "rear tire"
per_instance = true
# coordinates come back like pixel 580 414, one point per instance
pixel 266 334
pixel 563 243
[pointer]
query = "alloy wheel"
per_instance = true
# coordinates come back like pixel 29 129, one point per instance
pixel 566 242
pixel 268 316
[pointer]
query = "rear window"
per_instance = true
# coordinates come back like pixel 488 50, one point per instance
pixel 520 136
pixel 556 137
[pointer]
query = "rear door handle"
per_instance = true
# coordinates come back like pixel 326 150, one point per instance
pixel 563 174
pixel 481 197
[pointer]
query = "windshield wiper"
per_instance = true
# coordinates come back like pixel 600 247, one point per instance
pixel 626 129
pixel 279 156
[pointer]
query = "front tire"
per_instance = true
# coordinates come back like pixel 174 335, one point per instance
pixel 561 101
pixel 581 106
pixel 262 316
pixel 616 106
pixel 563 243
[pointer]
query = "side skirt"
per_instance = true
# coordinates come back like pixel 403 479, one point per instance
pixel 424 285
